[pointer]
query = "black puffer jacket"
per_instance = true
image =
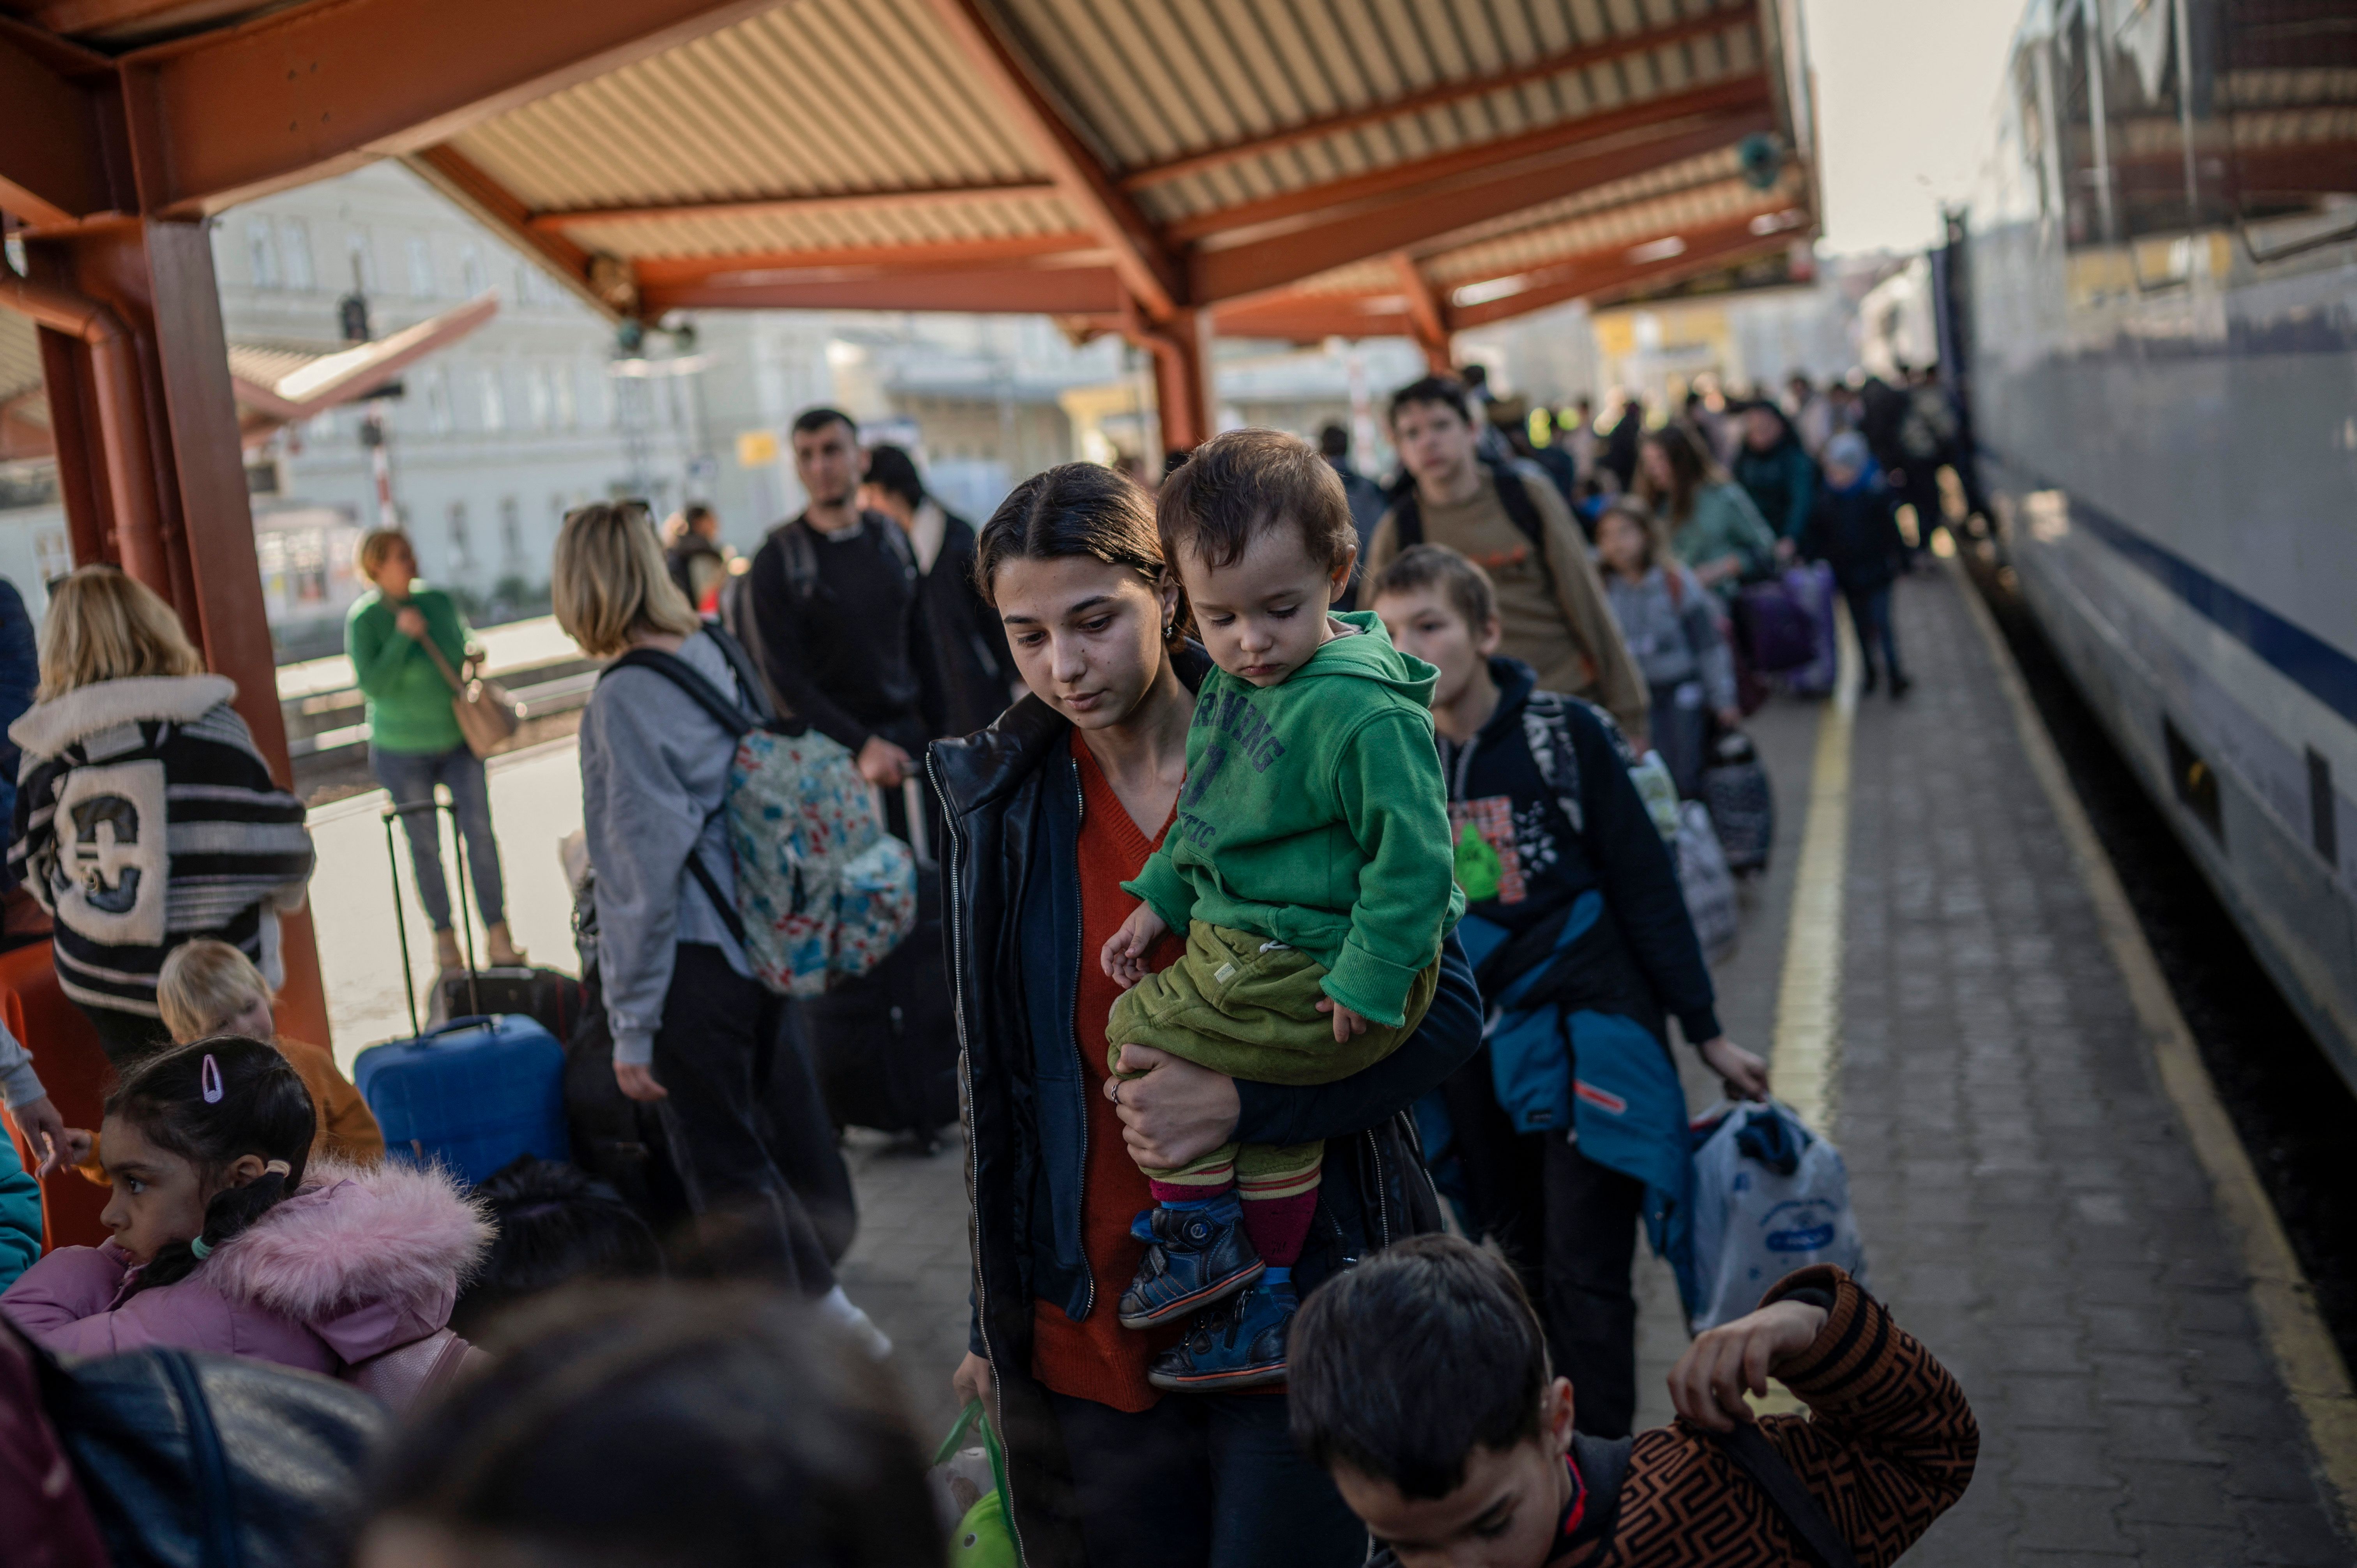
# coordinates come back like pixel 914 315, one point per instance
pixel 1012 793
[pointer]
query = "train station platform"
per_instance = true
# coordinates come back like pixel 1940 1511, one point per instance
pixel 1947 987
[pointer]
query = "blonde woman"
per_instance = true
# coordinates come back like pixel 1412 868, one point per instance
pixel 415 743
pixel 689 1021
pixel 145 816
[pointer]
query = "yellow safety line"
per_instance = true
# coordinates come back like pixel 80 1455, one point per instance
pixel 2305 1356
pixel 1808 997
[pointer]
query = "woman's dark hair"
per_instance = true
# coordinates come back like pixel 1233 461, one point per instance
pixel 1402 1366
pixel 1076 508
pixel 641 1425
pixel 1691 468
pixel 556 1226
pixel 261 1108
pixel 891 469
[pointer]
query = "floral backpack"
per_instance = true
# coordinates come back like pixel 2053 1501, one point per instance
pixel 822 892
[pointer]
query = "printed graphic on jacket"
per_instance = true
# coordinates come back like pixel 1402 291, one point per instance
pixel 1501 846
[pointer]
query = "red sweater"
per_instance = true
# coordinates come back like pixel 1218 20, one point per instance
pixel 1097 1359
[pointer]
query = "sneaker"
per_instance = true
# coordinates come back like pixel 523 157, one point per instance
pixel 1900 685
pixel 1193 1258
pixel 1239 1344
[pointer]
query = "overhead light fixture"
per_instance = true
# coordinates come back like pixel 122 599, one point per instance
pixel 1495 289
pixel 1658 250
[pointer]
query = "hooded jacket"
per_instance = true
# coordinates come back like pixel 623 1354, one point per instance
pixel 146 817
pixel 1781 482
pixel 1313 814
pixel 1012 795
pixel 1855 530
pixel 356 1263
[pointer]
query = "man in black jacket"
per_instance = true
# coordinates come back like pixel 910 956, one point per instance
pixel 836 619
pixel 978 678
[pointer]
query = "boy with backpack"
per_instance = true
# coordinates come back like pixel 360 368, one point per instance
pixel 1421 1383
pixel 1508 517
pixel 1571 1122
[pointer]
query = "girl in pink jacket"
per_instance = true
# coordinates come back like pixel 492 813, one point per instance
pixel 228 1238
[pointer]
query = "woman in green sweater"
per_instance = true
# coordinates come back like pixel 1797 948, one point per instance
pixel 414 742
pixel 1715 531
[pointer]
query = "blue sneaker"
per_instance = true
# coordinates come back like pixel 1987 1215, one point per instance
pixel 1193 1258
pixel 1239 1344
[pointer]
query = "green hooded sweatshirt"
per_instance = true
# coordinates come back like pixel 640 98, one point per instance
pixel 1315 815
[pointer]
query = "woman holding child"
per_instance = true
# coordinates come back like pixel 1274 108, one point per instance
pixel 1051 811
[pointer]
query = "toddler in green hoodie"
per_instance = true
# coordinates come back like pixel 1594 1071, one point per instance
pixel 1309 864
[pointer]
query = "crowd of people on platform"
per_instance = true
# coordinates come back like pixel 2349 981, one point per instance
pixel 1302 838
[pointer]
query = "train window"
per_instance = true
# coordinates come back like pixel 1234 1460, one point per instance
pixel 2157 114
pixel 2079 136
pixel 2290 73
pixel 2323 825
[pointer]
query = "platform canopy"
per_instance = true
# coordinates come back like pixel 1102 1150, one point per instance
pixel 1274 168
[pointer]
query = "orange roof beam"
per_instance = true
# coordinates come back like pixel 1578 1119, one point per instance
pixel 1580 56
pixel 54 162
pixel 1424 212
pixel 1141 256
pixel 1427 318
pixel 1604 270
pixel 231 113
pixel 819 204
pixel 450 171
pixel 1484 159
pixel 1047 291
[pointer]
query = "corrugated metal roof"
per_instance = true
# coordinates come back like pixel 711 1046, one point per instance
pixel 820 98
pixel 1159 82
pixel 20 355
pixel 1609 224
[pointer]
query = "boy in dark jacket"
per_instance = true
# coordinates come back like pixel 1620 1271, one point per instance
pixel 1572 1119
pixel 1421 1383
pixel 1854 527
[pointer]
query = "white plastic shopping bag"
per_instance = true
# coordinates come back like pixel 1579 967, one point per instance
pixel 1771 1196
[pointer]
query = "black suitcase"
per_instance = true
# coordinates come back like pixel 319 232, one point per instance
pixel 886 1043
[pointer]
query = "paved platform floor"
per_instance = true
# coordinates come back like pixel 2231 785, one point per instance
pixel 2031 1207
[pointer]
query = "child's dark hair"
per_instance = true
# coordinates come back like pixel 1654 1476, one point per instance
pixel 1402 1366
pixel 1074 509
pixel 1648 522
pixel 1237 484
pixel 557 1225
pixel 1420 567
pixel 260 1107
pixel 748 1433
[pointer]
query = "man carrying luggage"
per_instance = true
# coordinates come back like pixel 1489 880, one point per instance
pixel 838 625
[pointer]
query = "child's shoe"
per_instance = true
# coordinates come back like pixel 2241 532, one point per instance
pixel 1193 1257
pixel 1239 1344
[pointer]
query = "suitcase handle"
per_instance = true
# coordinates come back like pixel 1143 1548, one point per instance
pixel 433 807
pixel 472 1021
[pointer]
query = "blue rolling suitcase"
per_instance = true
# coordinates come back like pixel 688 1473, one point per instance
pixel 471 1094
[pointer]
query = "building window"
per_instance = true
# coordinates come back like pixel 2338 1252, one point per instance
pixel 294 245
pixel 438 401
pixel 460 558
pixel 560 381
pixel 538 399
pixel 470 269
pixel 356 250
pixel 262 254
pixel 511 533
pixel 421 268
pixel 495 407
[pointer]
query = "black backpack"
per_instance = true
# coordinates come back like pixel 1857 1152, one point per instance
pixel 196 1461
pixel 1407 513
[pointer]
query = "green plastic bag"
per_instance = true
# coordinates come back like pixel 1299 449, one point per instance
pixel 984 1537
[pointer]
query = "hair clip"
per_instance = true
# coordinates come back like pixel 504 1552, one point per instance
pixel 278 1167
pixel 200 1248
pixel 208 1081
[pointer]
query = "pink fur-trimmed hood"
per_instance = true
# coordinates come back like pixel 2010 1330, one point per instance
pixel 368 1260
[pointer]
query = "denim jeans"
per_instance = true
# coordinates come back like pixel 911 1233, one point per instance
pixel 410 777
pixel 1870 612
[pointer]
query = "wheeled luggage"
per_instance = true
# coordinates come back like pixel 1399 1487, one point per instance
pixel 473 1093
pixel 1811 587
pixel 886 1043
pixel 549 997
pixel 1774 628
pixel 1742 806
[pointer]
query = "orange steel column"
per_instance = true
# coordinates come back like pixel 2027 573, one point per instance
pixel 190 536
pixel 1181 347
